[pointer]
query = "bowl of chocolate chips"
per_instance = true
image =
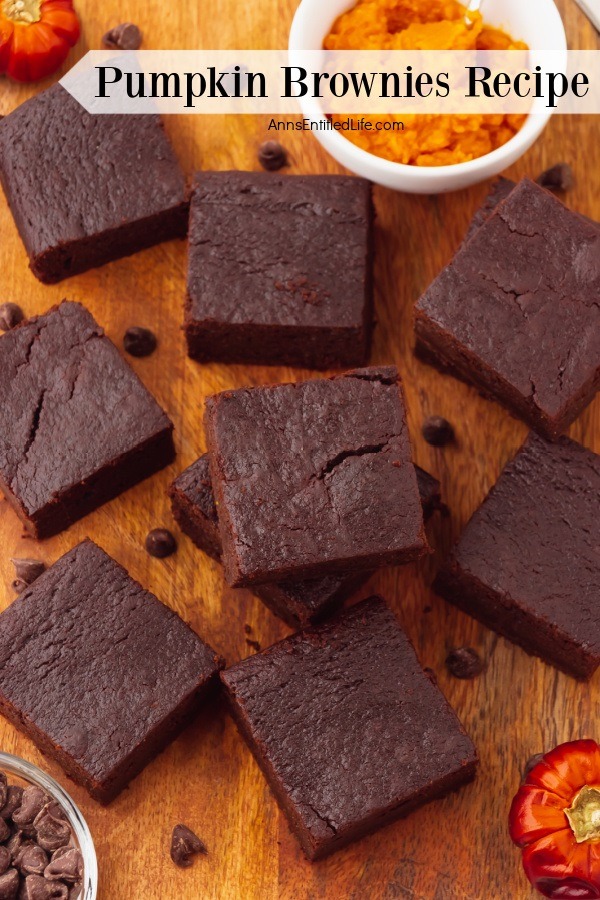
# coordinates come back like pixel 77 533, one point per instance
pixel 46 849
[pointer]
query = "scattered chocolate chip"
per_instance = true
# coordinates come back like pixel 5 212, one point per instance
pixel 272 156
pixel 9 884
pixel 32 803
pixel 125 36
pixel 28 570
pixel 31 860
pixel 531 762
pixel 19 586
pixel 253 644
pixel 139 341
pixel 66 865
pixel 10 316
pixel 557 178
pixel 185 845
pixel 160 543
pixel 4 859
pixel 464 662
pixel 14 793
pixel 438 431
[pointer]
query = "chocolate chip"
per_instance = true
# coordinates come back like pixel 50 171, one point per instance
pixel 125 36
pixel 32 803
pixel 14 795
pixel 531 763
pixel 557 178
pixel 10 316
pixel 31 860
pixel 28 570
pixel 272 156
pixel 14 845
pixel 464 662
pixel 438 431
pixel 66 865
pixel 185 845
pixel 19 586
pixel 51 828
pixel 9 885
pixel 4 859
pixel 37 888
pixel 160 543
pixel 139 341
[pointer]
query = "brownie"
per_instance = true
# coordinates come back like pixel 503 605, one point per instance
pixel 314 478
pixel 498 192
pixel 528 563
pixel 516 311
pixel 280 269
pixel 348 729
pixel 86 189
pixel 97 671
pixel 297 602
pixel 77 426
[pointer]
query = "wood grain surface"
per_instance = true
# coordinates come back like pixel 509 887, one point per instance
pixel 455 849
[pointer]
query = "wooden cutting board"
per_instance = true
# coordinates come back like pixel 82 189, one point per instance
pixel 455 849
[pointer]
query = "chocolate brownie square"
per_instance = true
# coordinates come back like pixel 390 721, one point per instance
pixel 86 189
pixel 314 478
pixel 348 729
pixel 516 311
pixel 77 426
pixel 97 671
pixel 280 269
pixel 297 602
pixel 528 563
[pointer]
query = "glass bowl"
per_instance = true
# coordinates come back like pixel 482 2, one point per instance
pixel 27 774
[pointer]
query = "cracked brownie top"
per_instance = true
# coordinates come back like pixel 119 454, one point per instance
pixel 315 477
pixel 346 724
pixel 522 297
pixel 69 406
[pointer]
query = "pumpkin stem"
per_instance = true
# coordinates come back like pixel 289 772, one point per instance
pixel 584 814
pixel 23 12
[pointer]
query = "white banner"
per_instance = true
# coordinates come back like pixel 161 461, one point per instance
pixel 344 82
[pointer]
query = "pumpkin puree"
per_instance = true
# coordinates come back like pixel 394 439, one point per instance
pixel 427 140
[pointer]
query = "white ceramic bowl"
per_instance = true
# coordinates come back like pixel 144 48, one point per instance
pixel 537 22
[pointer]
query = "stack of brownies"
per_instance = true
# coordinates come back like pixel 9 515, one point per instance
pixel 306 488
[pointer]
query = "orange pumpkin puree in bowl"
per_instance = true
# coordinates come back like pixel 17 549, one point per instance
pixel 427 140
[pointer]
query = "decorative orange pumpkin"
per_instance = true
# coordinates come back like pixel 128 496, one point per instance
pixel 555 819
pixel 35 37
